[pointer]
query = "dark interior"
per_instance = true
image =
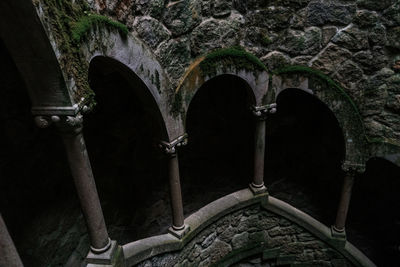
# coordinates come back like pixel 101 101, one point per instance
pixel 304 151
pixel 122 135
pixel 218 157
pixel 37 198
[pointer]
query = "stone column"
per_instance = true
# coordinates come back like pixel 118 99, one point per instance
pixel 351 170
pixel 70 128
pixel 8 253
pixel 178 225
pixel 260 113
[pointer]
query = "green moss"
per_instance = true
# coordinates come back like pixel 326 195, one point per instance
pixel 265 40
pixel 61 16
pixel 85 24
pixel 320 75
pixel 235 56
pixel 330 83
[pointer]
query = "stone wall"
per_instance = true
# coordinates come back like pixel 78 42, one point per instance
pixel 354 42
pixel 255 236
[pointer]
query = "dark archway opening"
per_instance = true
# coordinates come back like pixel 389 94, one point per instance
pixel 304 151
pixel 219 155
pixel 122 135
pixel 37 196
pixel 374 218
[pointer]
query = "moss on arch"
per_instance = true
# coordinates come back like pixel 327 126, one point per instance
pixel 82 27
pixel 310 72
pixel 236 56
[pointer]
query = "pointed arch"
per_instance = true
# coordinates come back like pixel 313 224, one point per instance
pixel 230 61
pixel 335 98
pixel 132 54
pixel 25 38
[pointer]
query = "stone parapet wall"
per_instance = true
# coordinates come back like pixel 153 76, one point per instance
pixel 245 228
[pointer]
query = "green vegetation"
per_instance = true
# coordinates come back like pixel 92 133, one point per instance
pixel 235 56
pixel 316 73
pixel 330 83
pixel 70 22
pixel 265 40
pixel 85 24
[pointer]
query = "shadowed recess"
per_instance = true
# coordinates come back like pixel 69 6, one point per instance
pixel 218 158
pixel 122 135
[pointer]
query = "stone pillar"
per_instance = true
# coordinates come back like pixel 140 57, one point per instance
pixel 178 225
pixel 8 253
pixel 260 113
pixel 351 170
pixel 70 128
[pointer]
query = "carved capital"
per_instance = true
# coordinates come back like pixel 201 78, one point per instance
pixel 261 112
pixel 71 124
pixel 354 168
pixel 169 148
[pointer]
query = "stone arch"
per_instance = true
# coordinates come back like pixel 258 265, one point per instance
pixel 136 57
pixel 230 61
pixel 37 62
pixel 335 98
pixel 145 96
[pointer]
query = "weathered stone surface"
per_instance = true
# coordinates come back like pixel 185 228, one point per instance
pixel 153 8
pixel 393 36
pixel 222 8
pixel 352 38
pixel 275 60
pixel 366 18
pixel 273 18
pixel 240 240
pixel 182 16
pixel 301 60
pixel 279 238
pixel 331 58
pixel 374 5
pixel 212 34
pixel 349 74
pixel 391 16
pixel 302 43
pixel 327 33
pixel 320 12
pixel 377 35
pixel 298 20
pixel 151 31
pixel 175 54
pixel 371 61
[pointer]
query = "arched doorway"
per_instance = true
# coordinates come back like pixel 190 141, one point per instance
pixel 122 135
pixel 304 152
pixel 218 157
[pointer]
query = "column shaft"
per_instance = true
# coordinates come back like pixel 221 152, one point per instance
pixel 259 154
pixel 8 253
pixel 86 188
pixel 175 191
pixel 344 202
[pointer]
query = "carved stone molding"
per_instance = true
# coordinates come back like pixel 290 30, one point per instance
pixel 64 123
pixel 169 148
pixel 261 112
pixel 350 167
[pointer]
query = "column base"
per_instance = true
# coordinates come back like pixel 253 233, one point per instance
pixel 258 189
pixel 179 233
pixel 338 235
pixel 113 256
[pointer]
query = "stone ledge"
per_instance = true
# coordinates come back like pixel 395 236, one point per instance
pixel 141 250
